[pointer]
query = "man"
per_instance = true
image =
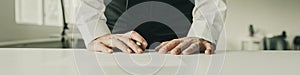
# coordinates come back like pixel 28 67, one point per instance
pixel 121 24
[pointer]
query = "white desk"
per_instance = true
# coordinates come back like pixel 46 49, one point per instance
pixel 62 62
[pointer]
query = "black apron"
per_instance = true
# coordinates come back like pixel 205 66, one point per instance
pixel 152 30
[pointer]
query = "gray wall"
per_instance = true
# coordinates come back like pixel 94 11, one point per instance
pixel 270 16
pixel 10 31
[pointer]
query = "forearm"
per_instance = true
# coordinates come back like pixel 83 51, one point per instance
pixel 91 21
pixel 208 21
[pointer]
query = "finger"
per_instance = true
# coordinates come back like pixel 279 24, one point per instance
pixel 103 48
pixel 160 45
pixel 130 43
pixel 170 45
pixel 120 45
pixel 100 48
pixel 177 50
pixel 136 36
pixel 161 50
pixel 191 49
pixel 208 48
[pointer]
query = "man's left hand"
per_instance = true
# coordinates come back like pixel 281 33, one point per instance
pixel 186 46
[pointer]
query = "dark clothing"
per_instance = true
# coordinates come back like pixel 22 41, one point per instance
pixel 152 31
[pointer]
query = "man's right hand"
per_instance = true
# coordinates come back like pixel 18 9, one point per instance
pixel 125 42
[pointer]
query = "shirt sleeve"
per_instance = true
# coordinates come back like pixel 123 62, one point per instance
pixel 91 20
pixel 208 19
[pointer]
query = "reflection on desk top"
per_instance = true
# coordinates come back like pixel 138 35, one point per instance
pixel 26 61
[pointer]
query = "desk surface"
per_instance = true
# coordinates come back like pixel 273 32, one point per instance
pixel 16 61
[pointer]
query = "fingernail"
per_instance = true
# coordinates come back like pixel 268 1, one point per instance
pixel 159 50
pixel 140 51
pixel 129 51
pixel 185 53
pixel 173 53
pixel 110 51
pixel 207 52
